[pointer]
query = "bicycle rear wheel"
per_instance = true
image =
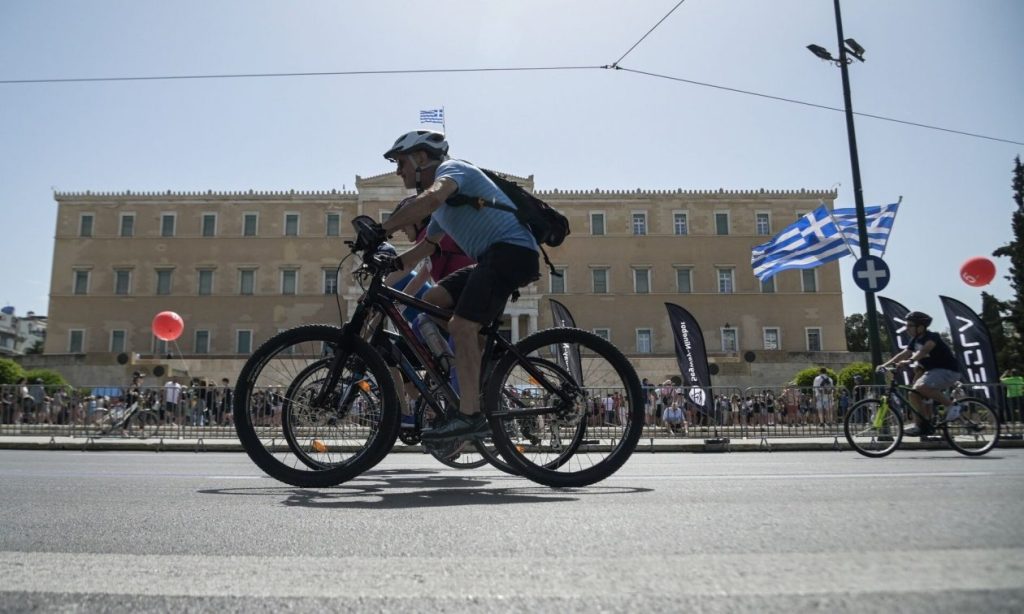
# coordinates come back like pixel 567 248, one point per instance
pixel 976 430
pixel 871 434
pixel 301 434
pixel 548 439
pixel 142 424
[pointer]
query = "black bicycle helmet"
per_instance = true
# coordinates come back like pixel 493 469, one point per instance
pixel 419 140
pixel 920 318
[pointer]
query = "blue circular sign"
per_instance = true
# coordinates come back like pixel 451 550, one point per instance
pixel 871 274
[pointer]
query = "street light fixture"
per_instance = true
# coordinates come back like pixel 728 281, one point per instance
pixel 850 47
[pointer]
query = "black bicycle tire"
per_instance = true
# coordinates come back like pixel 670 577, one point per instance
pixel 975 451
pixel 854 411
pixel 356 464
pixel 146 421
pixel 623 370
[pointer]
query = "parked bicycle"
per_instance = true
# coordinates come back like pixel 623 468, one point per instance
pixel 874 426
pixel 340 409
pixel 126 421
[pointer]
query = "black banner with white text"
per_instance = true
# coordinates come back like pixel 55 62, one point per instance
pixel 972 346
pixel 692 356
pixel 568 355
pixel 894 316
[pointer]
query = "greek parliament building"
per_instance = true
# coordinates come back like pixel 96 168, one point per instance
pixel 241 266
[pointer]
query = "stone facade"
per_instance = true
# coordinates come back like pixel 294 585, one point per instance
pixel 240 266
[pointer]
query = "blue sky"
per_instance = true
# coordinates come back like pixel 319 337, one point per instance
pixel 956 64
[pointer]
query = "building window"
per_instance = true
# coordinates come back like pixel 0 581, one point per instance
pixel 680 224
pixel 246 282
pixel 167 224
pixel 385 216
pixel 81 285
pixel 127 225
pixel 722 223
pixel 202 342
pixel 333 224
pixel 205 282
pixel 117 341
pixel 330 281
pixel 122 282
pixel 729 340
pixel 557 284
pixel 291 224
pixel 726 280
pixel 600 278
pixel 604 333
pixel 809 280
pixel 763 222
pixel 644 343
pixel 772 339
pixel 76 341
pixel 160 347
pixel 289 279
pixel 640 223
pixel 642 281
pixel 250 224
pixel 85 225
pixel 768 285
pixel 243 342
pixel 163 281
pixel 597 223
pixel 684 280
pixel 813 339
pixel 209 225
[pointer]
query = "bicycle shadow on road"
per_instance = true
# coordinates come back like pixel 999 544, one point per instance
pixel 405 491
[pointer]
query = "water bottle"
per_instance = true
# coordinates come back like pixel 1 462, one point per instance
pixel 431 335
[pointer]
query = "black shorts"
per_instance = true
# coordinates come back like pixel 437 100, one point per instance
pixel 480 291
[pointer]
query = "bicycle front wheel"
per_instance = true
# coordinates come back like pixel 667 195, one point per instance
pixel 553 438
pixel 976 430
pixel 302 433
pixel 872 428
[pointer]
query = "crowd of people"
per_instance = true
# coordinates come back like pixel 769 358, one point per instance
pixel 199 402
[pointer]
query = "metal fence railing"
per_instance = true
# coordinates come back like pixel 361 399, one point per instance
pixel 203 412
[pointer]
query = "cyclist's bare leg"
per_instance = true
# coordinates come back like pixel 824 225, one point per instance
pixel 935 395
pixel 468 355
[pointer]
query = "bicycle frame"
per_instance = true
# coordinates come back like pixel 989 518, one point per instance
pixel 379 298
pixel 901 392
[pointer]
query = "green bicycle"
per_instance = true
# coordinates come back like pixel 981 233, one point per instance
pixel 874 427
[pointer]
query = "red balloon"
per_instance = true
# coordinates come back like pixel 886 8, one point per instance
pixel 978 271
pixel 168 325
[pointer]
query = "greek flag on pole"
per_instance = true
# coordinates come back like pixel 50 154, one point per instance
pixel 879 224
pixel 809 242
pixel 432 116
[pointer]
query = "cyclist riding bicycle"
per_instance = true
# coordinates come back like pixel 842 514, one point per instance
pixel 506 253
pixel 939 370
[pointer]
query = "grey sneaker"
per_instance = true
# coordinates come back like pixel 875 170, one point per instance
pixel 460 427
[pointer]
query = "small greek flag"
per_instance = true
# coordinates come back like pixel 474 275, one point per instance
pixel 432 116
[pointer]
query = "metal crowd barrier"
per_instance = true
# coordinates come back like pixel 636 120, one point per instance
pixel 199 413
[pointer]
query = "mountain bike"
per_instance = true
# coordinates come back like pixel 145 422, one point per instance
pixel 874 427
pixel 339 408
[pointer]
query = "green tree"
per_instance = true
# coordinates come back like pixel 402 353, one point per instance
pixel 1014 250
pixel 857 334
pixel 50 378
pixel 993 314
pixel 10 371
pixel 805 378
pixel 846 376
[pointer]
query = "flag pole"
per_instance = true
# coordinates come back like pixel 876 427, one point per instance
pixel 444 128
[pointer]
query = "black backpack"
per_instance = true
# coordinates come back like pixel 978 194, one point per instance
pixel 547 226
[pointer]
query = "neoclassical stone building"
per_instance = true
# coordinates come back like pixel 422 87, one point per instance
pixel 240 266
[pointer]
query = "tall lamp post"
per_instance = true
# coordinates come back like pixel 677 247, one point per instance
pixel 847 48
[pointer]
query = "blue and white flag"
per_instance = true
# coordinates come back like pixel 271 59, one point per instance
pixel 879 224
pixel 807 243
pixel 432 116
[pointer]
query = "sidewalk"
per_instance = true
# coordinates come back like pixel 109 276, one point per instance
pixel 646 444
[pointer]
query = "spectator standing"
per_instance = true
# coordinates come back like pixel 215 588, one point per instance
pixel 1014 394
pixel 823 391
pixel 172 397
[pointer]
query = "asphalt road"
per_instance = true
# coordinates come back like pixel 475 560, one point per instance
pixel 766 532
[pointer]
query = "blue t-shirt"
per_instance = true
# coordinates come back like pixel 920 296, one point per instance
pixel 476 230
